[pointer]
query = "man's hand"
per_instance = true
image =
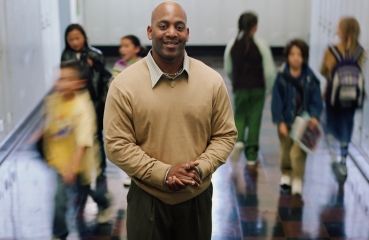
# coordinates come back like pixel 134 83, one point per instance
pixel 179 177
pixel 175 184
pixel 283 129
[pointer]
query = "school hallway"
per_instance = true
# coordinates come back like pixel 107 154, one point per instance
pixel 247 202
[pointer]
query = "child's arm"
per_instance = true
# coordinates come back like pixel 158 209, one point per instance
pixel 70 176
pixel 277 102
pixel 315 103
pixel 84 130
pixel 228 60
pixel 283 129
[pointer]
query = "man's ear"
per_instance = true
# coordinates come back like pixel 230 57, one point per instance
pixel 149 32
pixel 188 34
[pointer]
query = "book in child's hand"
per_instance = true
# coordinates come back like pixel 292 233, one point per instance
pixel 304 136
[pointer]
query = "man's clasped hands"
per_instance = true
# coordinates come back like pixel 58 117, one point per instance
pixel 179 177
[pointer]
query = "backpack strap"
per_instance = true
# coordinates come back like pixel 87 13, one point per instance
pixel 359 49
pixel 336 53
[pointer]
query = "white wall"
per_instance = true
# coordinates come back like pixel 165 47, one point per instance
pixel 76 11
pixel 324 20
pixel 29 53
pixel 211 22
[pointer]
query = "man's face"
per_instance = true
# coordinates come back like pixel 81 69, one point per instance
pixel 168 32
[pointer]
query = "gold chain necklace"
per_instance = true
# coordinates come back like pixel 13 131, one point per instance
pixel 173 76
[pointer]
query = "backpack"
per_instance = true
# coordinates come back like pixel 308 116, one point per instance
pixel 346 88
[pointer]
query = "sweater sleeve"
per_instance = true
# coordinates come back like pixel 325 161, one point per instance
pixel 120 142
pixel 268 63
pixel 228 60
pixel 223 134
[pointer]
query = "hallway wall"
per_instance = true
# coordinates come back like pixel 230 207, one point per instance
pixel 211 22
pixel 325 16
pixel 29 53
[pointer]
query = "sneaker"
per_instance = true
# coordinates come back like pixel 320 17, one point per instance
pixel 252 162
pixel 127 182
pixel 342 168
pixel 285 181
pixel 237 149
pixel 296 187
pixel 105 214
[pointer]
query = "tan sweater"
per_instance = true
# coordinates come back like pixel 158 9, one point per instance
pixel 149 129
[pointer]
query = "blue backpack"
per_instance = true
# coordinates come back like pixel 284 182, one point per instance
pixel 346 88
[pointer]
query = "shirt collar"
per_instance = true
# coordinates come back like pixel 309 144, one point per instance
pixel 155 71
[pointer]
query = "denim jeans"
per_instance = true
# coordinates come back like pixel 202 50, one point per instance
pixel 60 229
pixel 340 123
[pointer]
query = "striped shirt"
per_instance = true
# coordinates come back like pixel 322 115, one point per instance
pixel 155 71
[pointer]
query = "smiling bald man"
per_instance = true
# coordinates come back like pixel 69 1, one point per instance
pixel 169 125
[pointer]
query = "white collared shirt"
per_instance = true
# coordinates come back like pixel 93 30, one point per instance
pixel 156 72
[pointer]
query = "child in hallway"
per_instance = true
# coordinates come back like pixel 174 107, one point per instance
pixel 249 64
pixel 340 121
pixel 69 143
pixel 131 51
pixel 296 90
pixel 77 48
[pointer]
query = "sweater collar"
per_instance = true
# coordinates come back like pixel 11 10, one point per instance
pixel 155 71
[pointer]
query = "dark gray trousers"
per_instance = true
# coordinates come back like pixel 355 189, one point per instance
pixel 148 218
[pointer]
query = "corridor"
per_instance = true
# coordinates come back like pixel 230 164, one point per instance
pixel 247 201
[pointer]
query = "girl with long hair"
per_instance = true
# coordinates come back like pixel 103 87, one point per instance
pixel 249 65
pixel 340 122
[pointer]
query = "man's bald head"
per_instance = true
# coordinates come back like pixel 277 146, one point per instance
pixel 167 6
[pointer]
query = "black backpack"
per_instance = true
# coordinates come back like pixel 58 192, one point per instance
pixel 346 88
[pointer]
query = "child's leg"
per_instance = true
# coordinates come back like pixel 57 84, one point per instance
pixel 255 109
pixel 240 118
pixel 285 146
pixel 60 229
pixel 333 123
pixel 104 201
pixel 347 126
pixel 241 112
pixel 298 159
pixel 100 138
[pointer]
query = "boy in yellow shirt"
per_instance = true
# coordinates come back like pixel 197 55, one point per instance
pixel 70 143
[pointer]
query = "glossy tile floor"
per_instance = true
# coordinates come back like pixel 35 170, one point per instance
pixel 247 202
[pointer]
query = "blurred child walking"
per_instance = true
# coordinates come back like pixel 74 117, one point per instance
pixel 130 51
pixel 296 90
pixel 77 48
pixel 69 143
pixel 347 53
pixel 249 65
